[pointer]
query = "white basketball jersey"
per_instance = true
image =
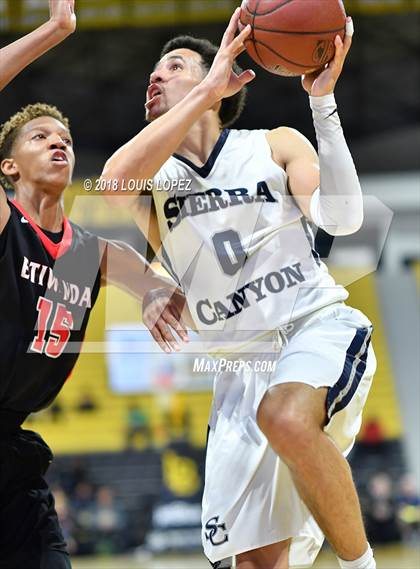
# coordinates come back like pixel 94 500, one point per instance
pixel 237 242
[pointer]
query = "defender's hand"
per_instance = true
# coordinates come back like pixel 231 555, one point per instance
pixel 63 16
pixel 323 81
pixel 221 81
pixel 162 308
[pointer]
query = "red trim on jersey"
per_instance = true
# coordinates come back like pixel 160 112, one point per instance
pixel 56 250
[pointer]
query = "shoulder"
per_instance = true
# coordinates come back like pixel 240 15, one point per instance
pixel 244 134
pixel 81 237
pixel 246 142
pixel 284 134
pixel 288 143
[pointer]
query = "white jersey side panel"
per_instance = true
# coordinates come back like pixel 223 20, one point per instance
pixel 238 243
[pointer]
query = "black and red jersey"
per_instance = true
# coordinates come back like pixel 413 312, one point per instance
pixel 47 291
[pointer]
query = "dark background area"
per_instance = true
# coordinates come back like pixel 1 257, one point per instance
pixel 99 77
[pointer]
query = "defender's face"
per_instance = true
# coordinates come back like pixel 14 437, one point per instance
pixel 176 74
pixel 42 155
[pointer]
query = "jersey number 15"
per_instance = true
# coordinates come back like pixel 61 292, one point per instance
pixel 59 330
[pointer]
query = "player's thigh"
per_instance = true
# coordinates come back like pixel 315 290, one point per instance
pixel 28 517
pixel 274 556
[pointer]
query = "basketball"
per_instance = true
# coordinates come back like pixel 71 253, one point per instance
pixel 292 37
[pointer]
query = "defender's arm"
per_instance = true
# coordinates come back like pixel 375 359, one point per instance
pixel 18 55
pixel 124 267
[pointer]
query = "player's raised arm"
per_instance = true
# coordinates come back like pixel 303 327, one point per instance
pixel 144 155
pixel 327 190
pixel 18 55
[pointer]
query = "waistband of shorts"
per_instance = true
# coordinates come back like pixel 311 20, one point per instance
pixel 11 421
pixel 271 341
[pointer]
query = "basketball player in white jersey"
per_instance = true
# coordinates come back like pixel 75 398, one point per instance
pixel 238 242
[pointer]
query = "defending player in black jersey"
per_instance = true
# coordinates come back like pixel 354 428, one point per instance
pixel 50 274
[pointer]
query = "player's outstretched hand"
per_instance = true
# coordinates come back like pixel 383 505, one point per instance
pixel 221 81
pixel 63 16
pixel 323 81
pixel 162 309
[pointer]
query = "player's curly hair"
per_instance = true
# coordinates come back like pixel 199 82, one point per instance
pixel 231 107
pixel 10 130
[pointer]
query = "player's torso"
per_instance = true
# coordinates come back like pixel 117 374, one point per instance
pixel 238 243
pixel 46 293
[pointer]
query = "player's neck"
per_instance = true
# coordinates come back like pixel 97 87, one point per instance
pixel 200 140
pixel 45 209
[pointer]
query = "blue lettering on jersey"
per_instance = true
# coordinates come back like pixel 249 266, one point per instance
pixel 177 208
pixel 272 283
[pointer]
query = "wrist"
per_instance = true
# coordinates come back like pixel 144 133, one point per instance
pixel 319 103
pixel 206 94
pixel 58 30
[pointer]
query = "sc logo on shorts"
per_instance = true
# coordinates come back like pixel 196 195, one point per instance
pixel 215 528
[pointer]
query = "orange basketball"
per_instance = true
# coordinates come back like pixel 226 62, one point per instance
pixel 292 37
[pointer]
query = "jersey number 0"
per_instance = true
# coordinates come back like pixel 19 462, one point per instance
pixel 229 251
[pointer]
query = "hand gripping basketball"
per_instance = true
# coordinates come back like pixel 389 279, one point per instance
pixel 221 81
pixel 323 81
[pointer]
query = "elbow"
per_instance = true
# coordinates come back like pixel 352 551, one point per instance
pixel 119 180
pixel 337 215
pixel 111 175
pixel 345 227
pixel 111 183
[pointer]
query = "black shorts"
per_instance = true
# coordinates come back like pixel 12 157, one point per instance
pixel 30 536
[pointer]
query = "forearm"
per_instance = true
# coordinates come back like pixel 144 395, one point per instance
pixel 19 54
pixel 125 268
pixel 143 156
pixel 337 206
pixel 138 285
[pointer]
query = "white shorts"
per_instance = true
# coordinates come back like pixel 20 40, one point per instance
pixel 249 498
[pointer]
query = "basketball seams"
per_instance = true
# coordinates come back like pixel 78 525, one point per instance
pixel 282 56
pixel 272 10
pixel 254 42
pixel 336 30
pixel 251 39
pixel 291 31
pixel 248 10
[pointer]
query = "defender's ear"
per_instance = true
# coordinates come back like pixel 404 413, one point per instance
pixel 9 167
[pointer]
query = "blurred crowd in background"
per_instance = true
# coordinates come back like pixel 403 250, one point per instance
pixel 96 519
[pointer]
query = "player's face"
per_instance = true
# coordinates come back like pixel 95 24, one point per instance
pixel 43 155
pixel 176 74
